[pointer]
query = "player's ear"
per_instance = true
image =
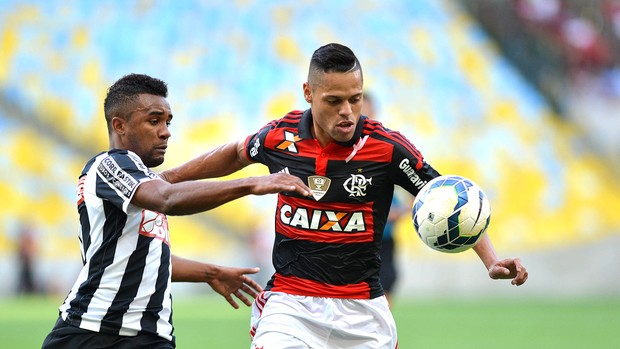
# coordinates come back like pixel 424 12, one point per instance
pixel 307 92
pixel 118 125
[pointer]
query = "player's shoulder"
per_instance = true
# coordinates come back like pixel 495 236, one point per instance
pixel 291 119
pixel 377 129
pixel 117 159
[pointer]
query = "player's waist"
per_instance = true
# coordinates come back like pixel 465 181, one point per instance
pixel 305 287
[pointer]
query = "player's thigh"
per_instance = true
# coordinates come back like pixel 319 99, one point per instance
pixel 277 340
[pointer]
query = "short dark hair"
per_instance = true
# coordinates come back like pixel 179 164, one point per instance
pixel 333 58
pixel 126 89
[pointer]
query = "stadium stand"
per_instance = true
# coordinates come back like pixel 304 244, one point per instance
pixel 231 66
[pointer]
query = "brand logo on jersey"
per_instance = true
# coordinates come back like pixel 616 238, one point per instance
pixel 254 149
pixel 155 225
pixel 318 186
pixel 357 184
pixel 289 141
pixel 306 218
pixel 411 174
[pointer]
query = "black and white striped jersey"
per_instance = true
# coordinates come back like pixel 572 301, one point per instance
pixel 124 285
pixel 328 245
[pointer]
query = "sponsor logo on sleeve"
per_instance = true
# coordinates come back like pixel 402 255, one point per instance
pixel 254 149
pixel 411 174
pixel 117 177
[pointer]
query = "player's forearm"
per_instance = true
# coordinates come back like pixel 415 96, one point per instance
pixel 486 252
pixel 194 197
pixel 218 162
pixel 185 270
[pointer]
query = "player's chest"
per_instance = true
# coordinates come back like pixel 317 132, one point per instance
pixel 334 175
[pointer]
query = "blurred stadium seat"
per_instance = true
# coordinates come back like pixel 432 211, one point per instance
pixel 231 66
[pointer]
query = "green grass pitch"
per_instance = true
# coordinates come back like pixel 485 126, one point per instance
pixel 209 322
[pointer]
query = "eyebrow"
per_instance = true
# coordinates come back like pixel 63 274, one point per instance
pixel 159 112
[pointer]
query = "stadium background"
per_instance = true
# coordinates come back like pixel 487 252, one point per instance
pixel 506 105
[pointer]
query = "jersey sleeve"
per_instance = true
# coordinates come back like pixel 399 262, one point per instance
pixel 255 144
pixel 409 169
pixel 119 175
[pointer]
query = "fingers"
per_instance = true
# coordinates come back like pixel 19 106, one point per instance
pixel 521 274
pixel 232 302
pixel 247 291
pixel 249 271
pixel 302 190
pixel 499 272
pixel 243 298
pixel 510 269
pixel 293 184
pixel 251 291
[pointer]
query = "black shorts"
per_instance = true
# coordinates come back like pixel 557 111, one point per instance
pixel 64 335
pixel 387 273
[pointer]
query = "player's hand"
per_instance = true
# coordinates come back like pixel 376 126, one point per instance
pixel 231 281
pixel 510 268
pixel 278 182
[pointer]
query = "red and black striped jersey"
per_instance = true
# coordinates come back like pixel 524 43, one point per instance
pixel 328 245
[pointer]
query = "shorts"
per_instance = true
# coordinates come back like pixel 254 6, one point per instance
pixel 388 273
pixel 283 321
pixel 64 335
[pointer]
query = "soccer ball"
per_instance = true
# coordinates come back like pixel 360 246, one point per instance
pixel 451 213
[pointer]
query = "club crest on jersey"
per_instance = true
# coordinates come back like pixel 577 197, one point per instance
pixel 289 141
pixel 357 184
pixel 319 186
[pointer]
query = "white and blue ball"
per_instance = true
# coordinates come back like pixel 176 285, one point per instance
pixel 451 213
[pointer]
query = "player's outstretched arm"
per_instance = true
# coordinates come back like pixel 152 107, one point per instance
pixel 197 196
pixel 227 281
pixel 510 268
pixel 221 161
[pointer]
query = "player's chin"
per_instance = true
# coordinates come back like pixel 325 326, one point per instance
pixel 343 136
pixel 155 160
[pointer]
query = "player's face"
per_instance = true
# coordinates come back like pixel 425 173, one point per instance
pixel 147 130
pixel 336 102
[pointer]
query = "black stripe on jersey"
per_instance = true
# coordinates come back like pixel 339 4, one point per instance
pixel 129 285
pixel 356 263
pixel 148 323
pixel 84 233
pixel 99 261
